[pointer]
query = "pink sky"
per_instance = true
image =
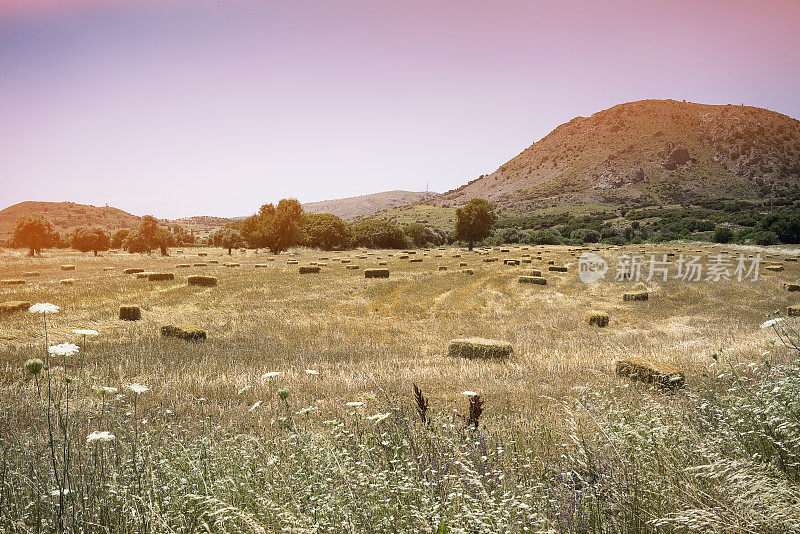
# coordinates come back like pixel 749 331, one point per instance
pixel 189 107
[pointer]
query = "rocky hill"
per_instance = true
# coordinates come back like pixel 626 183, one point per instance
pixel 650 151
pixel 66 216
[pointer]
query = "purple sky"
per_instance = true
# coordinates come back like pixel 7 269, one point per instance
pixel 199 107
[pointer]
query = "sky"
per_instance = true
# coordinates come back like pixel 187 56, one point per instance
pixel 199 107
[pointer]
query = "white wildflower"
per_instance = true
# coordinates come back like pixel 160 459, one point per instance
pixel 469 393
pixel 379 417
pixel 138 388
pixel 44 307
pixel 355 404
pixel 86 332
pixel 255 406
pixel 105 390
pixel 311 372
pixel 270 375
pixel 100 435
pixel 63 349
pixel 771 322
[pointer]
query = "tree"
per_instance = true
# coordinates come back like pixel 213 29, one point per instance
pixel 275 228
pixel 377 233
pixel 94 239
pixel 474 221
pixel 119 237
pixel 723 234
pixel 227 238
pixel 149 236
pixel 35 233
pixel 327 232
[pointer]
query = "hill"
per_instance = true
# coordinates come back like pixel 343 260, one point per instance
pixel 66 216
pixel 649 152
pixel 354 207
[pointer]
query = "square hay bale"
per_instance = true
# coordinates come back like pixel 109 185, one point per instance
pixel 292 262
pixel 551 262
pixel 526 260
pixel 109 268
pixel 160 277
pixel 201 265
pixel 489 260
pixel 557 269
pixel 213 262
pixel 182 266
pixel 479 348
pixel 442 268
pixel 130 313
pixel 12 306
pixel 456 255
pixel 468 271
pixel 532 272
pixel 376 273
pixel 67 281
pixel 202 254
pixel 537 280
pixel 67 267
pixel 231 264
pixel 791 287
pixel 260 265
pixel 462 264
pixel 133 270
pixel 635 295
pixel 382 263
pixel 345 260
pixel 504 250
pixel 790 260
pixel 597 318
pixel 351 267
pixel 650 373
pixel 773 268
pixel 415 260
pixel 793 311
pixel 12 282
pixel 402 257
pixel 184 332
pixel 309 269
pixel 31 274
pixel 511 262
pixel 144 274
pixel 204 281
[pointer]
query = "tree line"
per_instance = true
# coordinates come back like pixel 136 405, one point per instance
pixel 275 228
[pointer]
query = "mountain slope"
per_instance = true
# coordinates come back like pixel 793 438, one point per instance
pixel 649 151
pixel 66 216
pixel 353 207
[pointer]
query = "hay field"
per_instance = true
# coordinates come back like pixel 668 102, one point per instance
pixel 370 339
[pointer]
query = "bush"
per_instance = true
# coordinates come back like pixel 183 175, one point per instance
pixel 379 234
pixel 327 232
pixel 585 235
pixel 722 234
pixel 543 237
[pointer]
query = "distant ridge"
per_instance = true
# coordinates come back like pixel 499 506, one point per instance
pixel 354 207
pixel 66 216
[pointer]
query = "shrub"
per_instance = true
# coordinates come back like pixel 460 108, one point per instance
pixel 379 234
pixel 722 234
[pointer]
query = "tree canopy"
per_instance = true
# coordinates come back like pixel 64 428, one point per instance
pixel 275 228
pixel 474 221
pixel 327 232
pixel 35 233
pixel 90 239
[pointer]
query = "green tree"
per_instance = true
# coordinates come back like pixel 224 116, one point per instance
pixel 148 236
pixel 34 232
pixel 119 237
pixel 227 238
pixel 95 239
pixel 474 221
pixel 275 228
pixel 327 232
pixel 723 234
pixel 376 233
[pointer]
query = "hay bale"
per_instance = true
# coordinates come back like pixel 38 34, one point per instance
pixel 182 266
pixel 597 318
pixel 231 264
pixel 791 287
pixel 67 267
pixel 144 274
pixel 635 295
pixel 135 270
pixel 292 262
pixel 456 255
pixel 489 260
pixel 557 269
pixel 551 262
pixel 468 271
pixel 479 348
pixel 382 263
pixel 462 264
pixel 202 254
pixel 415 260
pixel 650 373
pixel 261 265
pixel 186 333
pixel 790 260
pixel 204 281
pixel 109 268
pixel 402 257
pixel 309 269
pixel 12 282
pixel 376 273
pixel 343 260
pixel 160 277
pixel 130 313
pixel 213 262
pixel 12 306
pixel 201 265
pixel 351 267
pixel 537 280
pixel 532 272
pixel 793 311
pixel 511 262
pixel 67 281
pixel 773 268
pixel 442 268
pixel 31 274
pixel 504 250
pixel 526 260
